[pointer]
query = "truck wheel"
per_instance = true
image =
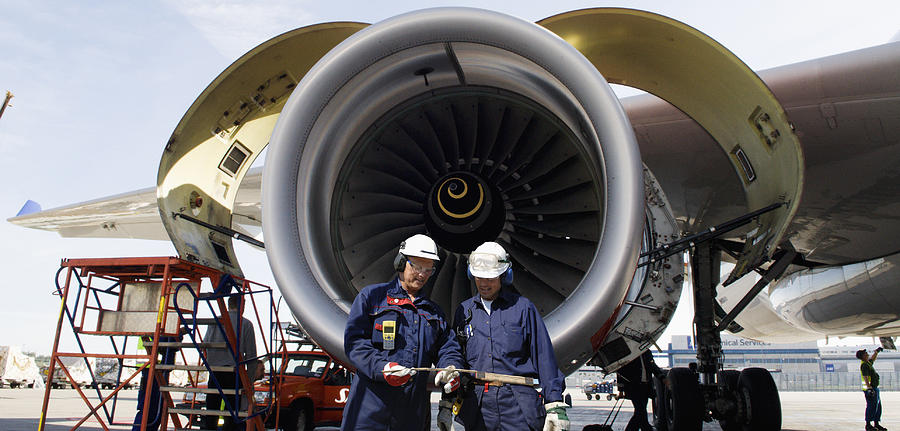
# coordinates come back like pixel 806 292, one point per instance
pixel 762 402
pixel 589 396
pixel 683 401
pixel 297 419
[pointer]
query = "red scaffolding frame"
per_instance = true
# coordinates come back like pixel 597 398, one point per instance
pixel 94 302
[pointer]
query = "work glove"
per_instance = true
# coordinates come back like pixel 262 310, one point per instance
pixel 878 349
pixel 396 374
pixel 445 415
pixel 449 378
pixel 557 419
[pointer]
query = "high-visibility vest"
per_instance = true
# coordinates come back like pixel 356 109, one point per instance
pixel 863 377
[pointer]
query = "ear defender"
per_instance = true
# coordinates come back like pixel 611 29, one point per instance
pixel 507 278
pixel 400 260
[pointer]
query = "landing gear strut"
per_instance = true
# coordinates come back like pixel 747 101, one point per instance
pixel 739 400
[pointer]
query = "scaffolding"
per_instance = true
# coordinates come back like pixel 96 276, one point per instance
pixel 162 301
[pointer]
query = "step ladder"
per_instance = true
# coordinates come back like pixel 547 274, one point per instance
pixel 161 300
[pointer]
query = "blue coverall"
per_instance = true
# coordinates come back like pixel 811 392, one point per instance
pixel 423 338
pixel 511 340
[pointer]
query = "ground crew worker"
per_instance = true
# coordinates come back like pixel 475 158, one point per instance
pixel 870 379
pixel 246 350
pixel 634 378
pixel 155 404
pixel 502 332
pixel 391 329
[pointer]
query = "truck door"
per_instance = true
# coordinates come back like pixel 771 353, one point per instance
pixel 337 389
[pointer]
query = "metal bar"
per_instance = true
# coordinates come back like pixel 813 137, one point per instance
pixel 490 377
pixel 83 398
pixel 644 306
pixel 221 229
pixel 774 272
pixel 711 233
pixel 53 354
pixel 114 393
pixel 705 263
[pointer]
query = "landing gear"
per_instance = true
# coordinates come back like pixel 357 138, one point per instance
pixel 683 401
pixel 740 400
pixel 658 402
pixel 729 384
pixel 761 398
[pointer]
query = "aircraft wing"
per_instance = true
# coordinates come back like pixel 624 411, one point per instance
pixel 134 215
pixel 127 215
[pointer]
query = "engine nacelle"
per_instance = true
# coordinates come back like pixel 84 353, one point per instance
pixel 471 126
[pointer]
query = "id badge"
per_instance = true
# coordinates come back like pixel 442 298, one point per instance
pixel 390 333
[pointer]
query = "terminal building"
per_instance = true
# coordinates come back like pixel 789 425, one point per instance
pixel 743 353
pixel 801 366
pixel 796 366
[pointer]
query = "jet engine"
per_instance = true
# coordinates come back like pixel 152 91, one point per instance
pixel 470 126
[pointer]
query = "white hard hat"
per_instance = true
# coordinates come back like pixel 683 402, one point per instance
pixel 489 260
pixel 420 246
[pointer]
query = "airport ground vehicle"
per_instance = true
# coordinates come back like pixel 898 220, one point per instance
pixel 17 369
pixel 310 389
pixel 598 389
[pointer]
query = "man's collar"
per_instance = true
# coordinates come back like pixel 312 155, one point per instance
pixel 397 295
pixel 505 295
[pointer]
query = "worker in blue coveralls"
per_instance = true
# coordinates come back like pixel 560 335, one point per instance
pixel 502 332
pixel 392 329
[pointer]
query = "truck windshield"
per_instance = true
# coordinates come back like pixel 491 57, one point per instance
pixel 302 365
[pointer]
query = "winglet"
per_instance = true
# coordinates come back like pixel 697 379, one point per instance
pixel 30 207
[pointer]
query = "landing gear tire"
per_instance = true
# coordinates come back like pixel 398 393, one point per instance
pixel 683 401
pixel 730 379
pixel 761 397
pixel 658 402
pixel 297 419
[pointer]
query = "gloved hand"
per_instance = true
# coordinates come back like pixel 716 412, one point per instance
pixel 879 349
pixel 448 377
pixel 557 419
pixel 445 415
pixel 396 374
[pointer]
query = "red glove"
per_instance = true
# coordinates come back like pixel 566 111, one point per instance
pixel 448 378
pixel 396 374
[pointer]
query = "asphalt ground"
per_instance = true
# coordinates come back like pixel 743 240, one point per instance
pixel 20 410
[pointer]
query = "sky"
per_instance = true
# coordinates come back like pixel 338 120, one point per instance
pixel 100 85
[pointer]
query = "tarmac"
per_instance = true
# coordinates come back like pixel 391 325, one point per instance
pixel 20 410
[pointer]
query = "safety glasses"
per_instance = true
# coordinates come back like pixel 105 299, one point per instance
pixel 486 262
pixel 425 270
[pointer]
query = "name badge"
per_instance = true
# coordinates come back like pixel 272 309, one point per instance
pixel 390 333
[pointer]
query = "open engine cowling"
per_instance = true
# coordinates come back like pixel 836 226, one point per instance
pixel 471 126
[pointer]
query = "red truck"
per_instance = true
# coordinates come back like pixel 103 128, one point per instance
pixel 311 389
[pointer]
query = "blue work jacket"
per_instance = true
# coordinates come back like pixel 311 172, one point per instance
pixel 511 340
pixel 423 337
